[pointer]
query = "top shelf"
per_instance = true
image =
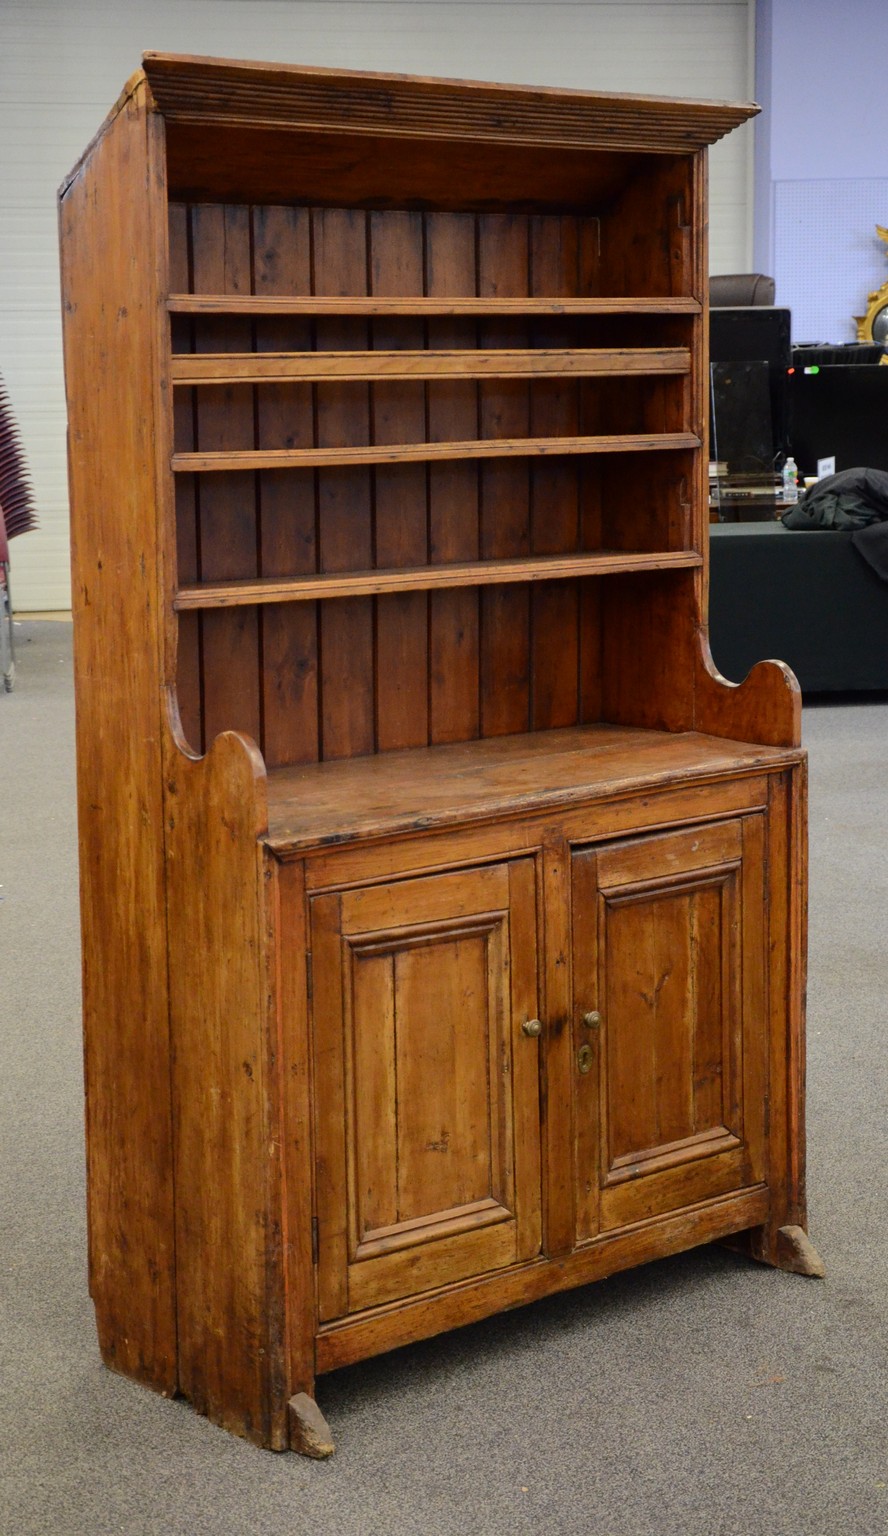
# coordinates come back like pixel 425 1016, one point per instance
pixel 255 304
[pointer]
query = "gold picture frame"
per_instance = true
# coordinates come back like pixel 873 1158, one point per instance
pixel 873 326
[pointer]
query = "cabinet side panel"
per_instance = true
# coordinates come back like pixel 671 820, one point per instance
pixel 224 997
pixel 108 222
pixel 765 707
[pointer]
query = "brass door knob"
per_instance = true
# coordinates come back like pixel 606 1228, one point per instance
pixel 532 1027
pixel 592 1020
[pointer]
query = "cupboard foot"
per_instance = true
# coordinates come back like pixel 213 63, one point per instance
pixel 790 1248
pixel 795 1251
pixel 309 1431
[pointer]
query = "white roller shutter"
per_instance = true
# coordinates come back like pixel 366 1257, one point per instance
pixel 63 64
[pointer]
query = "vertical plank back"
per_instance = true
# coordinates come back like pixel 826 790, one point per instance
pixel 503 255
pixel 648 650
pixel 227 521
pixel 555 252
pixel 345 513
pixel 288 544
pixel 589 281
pixel 188 666
pixel 353 676
pixel 399 415
pixel 454 707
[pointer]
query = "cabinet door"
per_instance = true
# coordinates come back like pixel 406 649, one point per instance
pixel 670 1021
pixel 426 1084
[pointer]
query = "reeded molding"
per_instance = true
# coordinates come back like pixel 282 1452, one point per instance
pixel 188 90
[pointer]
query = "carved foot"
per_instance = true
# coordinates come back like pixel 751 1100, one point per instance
pixel 309 1431
pixel 791 1249
pixel 796 1252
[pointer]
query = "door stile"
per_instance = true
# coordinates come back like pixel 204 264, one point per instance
pixel 501 1136
pixel 558 1095
pixel 522 1057
pixel 330 1109
pixel 297 1146
pixel 753 998
pixel 588 1043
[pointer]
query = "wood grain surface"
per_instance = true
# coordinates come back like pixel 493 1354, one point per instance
pixel 226 1026
pixel 467 962
pixel 218 460
pixel 367 367
pixel 111 340
pixel 396 792
pixel 238 91
pixel 491 305
pixel 423 578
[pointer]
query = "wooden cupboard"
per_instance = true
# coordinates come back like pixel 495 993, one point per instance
pixel 443 909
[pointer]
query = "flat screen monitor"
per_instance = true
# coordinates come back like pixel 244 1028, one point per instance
pixel 755 333
pixel 840 411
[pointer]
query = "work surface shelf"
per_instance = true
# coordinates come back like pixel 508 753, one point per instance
pixel 425 787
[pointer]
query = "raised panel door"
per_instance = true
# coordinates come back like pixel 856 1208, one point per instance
pixel 427 1085
pixel 670 1020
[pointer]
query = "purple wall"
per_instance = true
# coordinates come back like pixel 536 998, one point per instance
pixel 821 160
pixel 829 103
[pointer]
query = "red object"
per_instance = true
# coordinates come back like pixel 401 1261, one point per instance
pixel 16 494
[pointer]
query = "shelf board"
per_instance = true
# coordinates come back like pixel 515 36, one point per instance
pixel 369 367
pixel 475 573
pixel 410 453
pixel 261 304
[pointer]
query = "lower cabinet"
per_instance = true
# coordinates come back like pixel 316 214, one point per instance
pixel 432 1054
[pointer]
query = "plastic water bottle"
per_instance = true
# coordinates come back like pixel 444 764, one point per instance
pixel 790 480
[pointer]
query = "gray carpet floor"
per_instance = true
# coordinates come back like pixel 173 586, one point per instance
pixel 699 1395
